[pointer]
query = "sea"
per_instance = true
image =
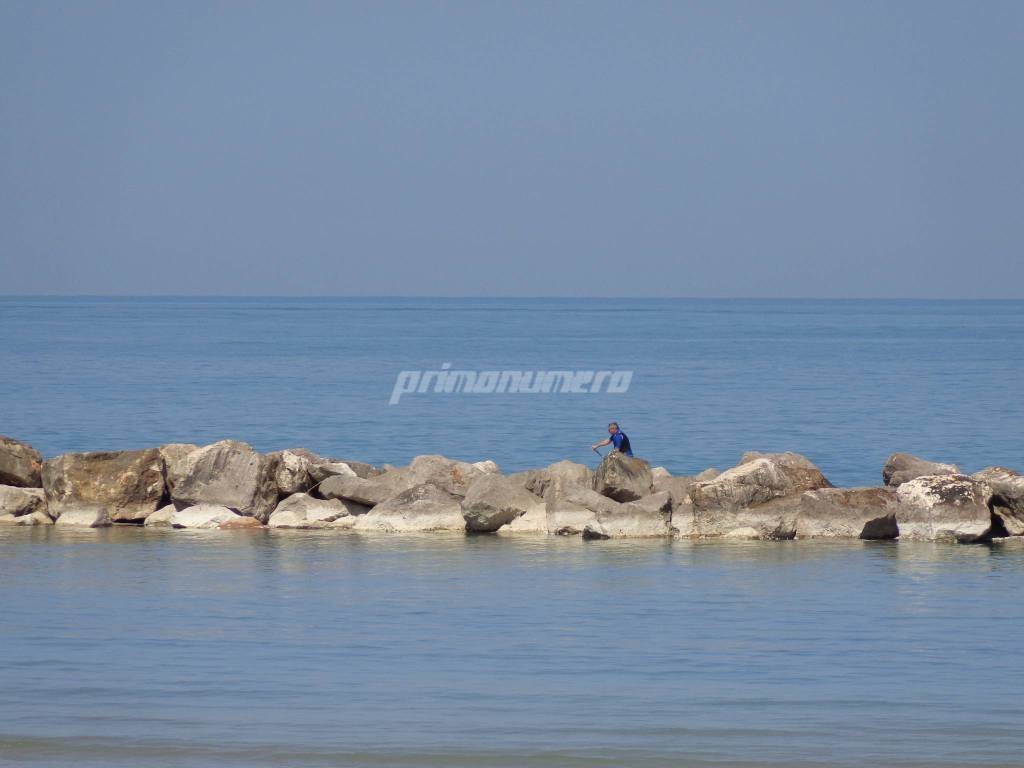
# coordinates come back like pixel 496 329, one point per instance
pixel 134 647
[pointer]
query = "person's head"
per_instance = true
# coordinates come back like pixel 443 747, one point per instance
pixel 613 428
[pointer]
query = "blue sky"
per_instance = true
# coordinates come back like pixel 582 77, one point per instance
pixel 815 149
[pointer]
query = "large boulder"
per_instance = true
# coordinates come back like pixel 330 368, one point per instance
pixel 291 472
pixel 648 517
pixel 128 485
pixel 758 478
pixel 852 513
pixel 35 518
pixel 85 516
pixel 773 520
pixel 21 501
pixel 203 516
pixel 322 467
pixel 423 507
pixel 301 510
pixel 902 467
pixel 451 476
pixel 171 453
pixel 229 474
pixel 943 508
pixel 495 500
pixel 568 514
pixel 20 464
pixel 1006 496
pixel 623 478
pixel 556 478
pixel 161 518
pixel 761 493
pixel 366 490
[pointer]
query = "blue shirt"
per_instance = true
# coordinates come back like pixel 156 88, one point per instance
pixel 621 443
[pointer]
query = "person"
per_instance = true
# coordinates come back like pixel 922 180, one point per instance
pixel 616 438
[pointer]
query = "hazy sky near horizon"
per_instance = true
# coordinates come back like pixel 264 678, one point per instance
pixel 820 149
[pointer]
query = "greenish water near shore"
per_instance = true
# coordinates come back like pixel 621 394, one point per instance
pixel 134 647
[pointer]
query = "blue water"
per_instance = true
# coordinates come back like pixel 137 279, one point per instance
pixel 132 647
pixel 173 649
pixel 844 382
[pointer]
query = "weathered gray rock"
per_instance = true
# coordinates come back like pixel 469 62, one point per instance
pixel 758 479
pixel 853 513
pixel 301 510
pixel 449 475
pixel 1006 496
pixel 228 473
pixel 623 478
pixel 20 464
pixel 322 467
pixel 902 467
pixel 423 507
pixel 570 512
pixel 84 517
pixel 774 520
pixel 161 518
pixel 21 501
pixel 366 490
pixel 648 517
pixel 172 453
pixel 942 508
pixel 129 485
pixel 202 516
pixel 291 472
pixel 555 479
pixel 34 518
pixel 495 500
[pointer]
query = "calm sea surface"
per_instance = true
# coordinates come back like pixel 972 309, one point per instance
pixel 131 647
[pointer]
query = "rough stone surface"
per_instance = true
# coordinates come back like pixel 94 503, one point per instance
pixel 366 490
pixel 774 520
pixel 161 518
pixel 423 507
pixel 21 501
pixel 35 518
pixel 623 478
pixel 229 474
pixel 202 516
pixel 1006 496
pixel 494 500
pixel 854 513
pixel 291 472
pixel 758 479
pixel 451 476
pixel 20 464
pixel 555 479
pixel 129 485
pixel 943 508
pixel 172 453
pixel 903 467
pixel 570 513
pixel 304 511
pixel 648 517
pixel 84 517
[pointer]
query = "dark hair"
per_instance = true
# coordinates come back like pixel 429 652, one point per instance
pixel 613 424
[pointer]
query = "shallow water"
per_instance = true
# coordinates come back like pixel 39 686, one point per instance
pixel 133 647
pixel 844 382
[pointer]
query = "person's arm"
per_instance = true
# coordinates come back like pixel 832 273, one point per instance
pixel 606 441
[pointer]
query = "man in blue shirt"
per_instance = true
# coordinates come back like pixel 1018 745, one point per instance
pixel 616 438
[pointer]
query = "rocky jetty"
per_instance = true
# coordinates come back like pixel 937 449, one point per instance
pixel 769 496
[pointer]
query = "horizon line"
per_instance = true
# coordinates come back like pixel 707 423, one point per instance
pixel 595 297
